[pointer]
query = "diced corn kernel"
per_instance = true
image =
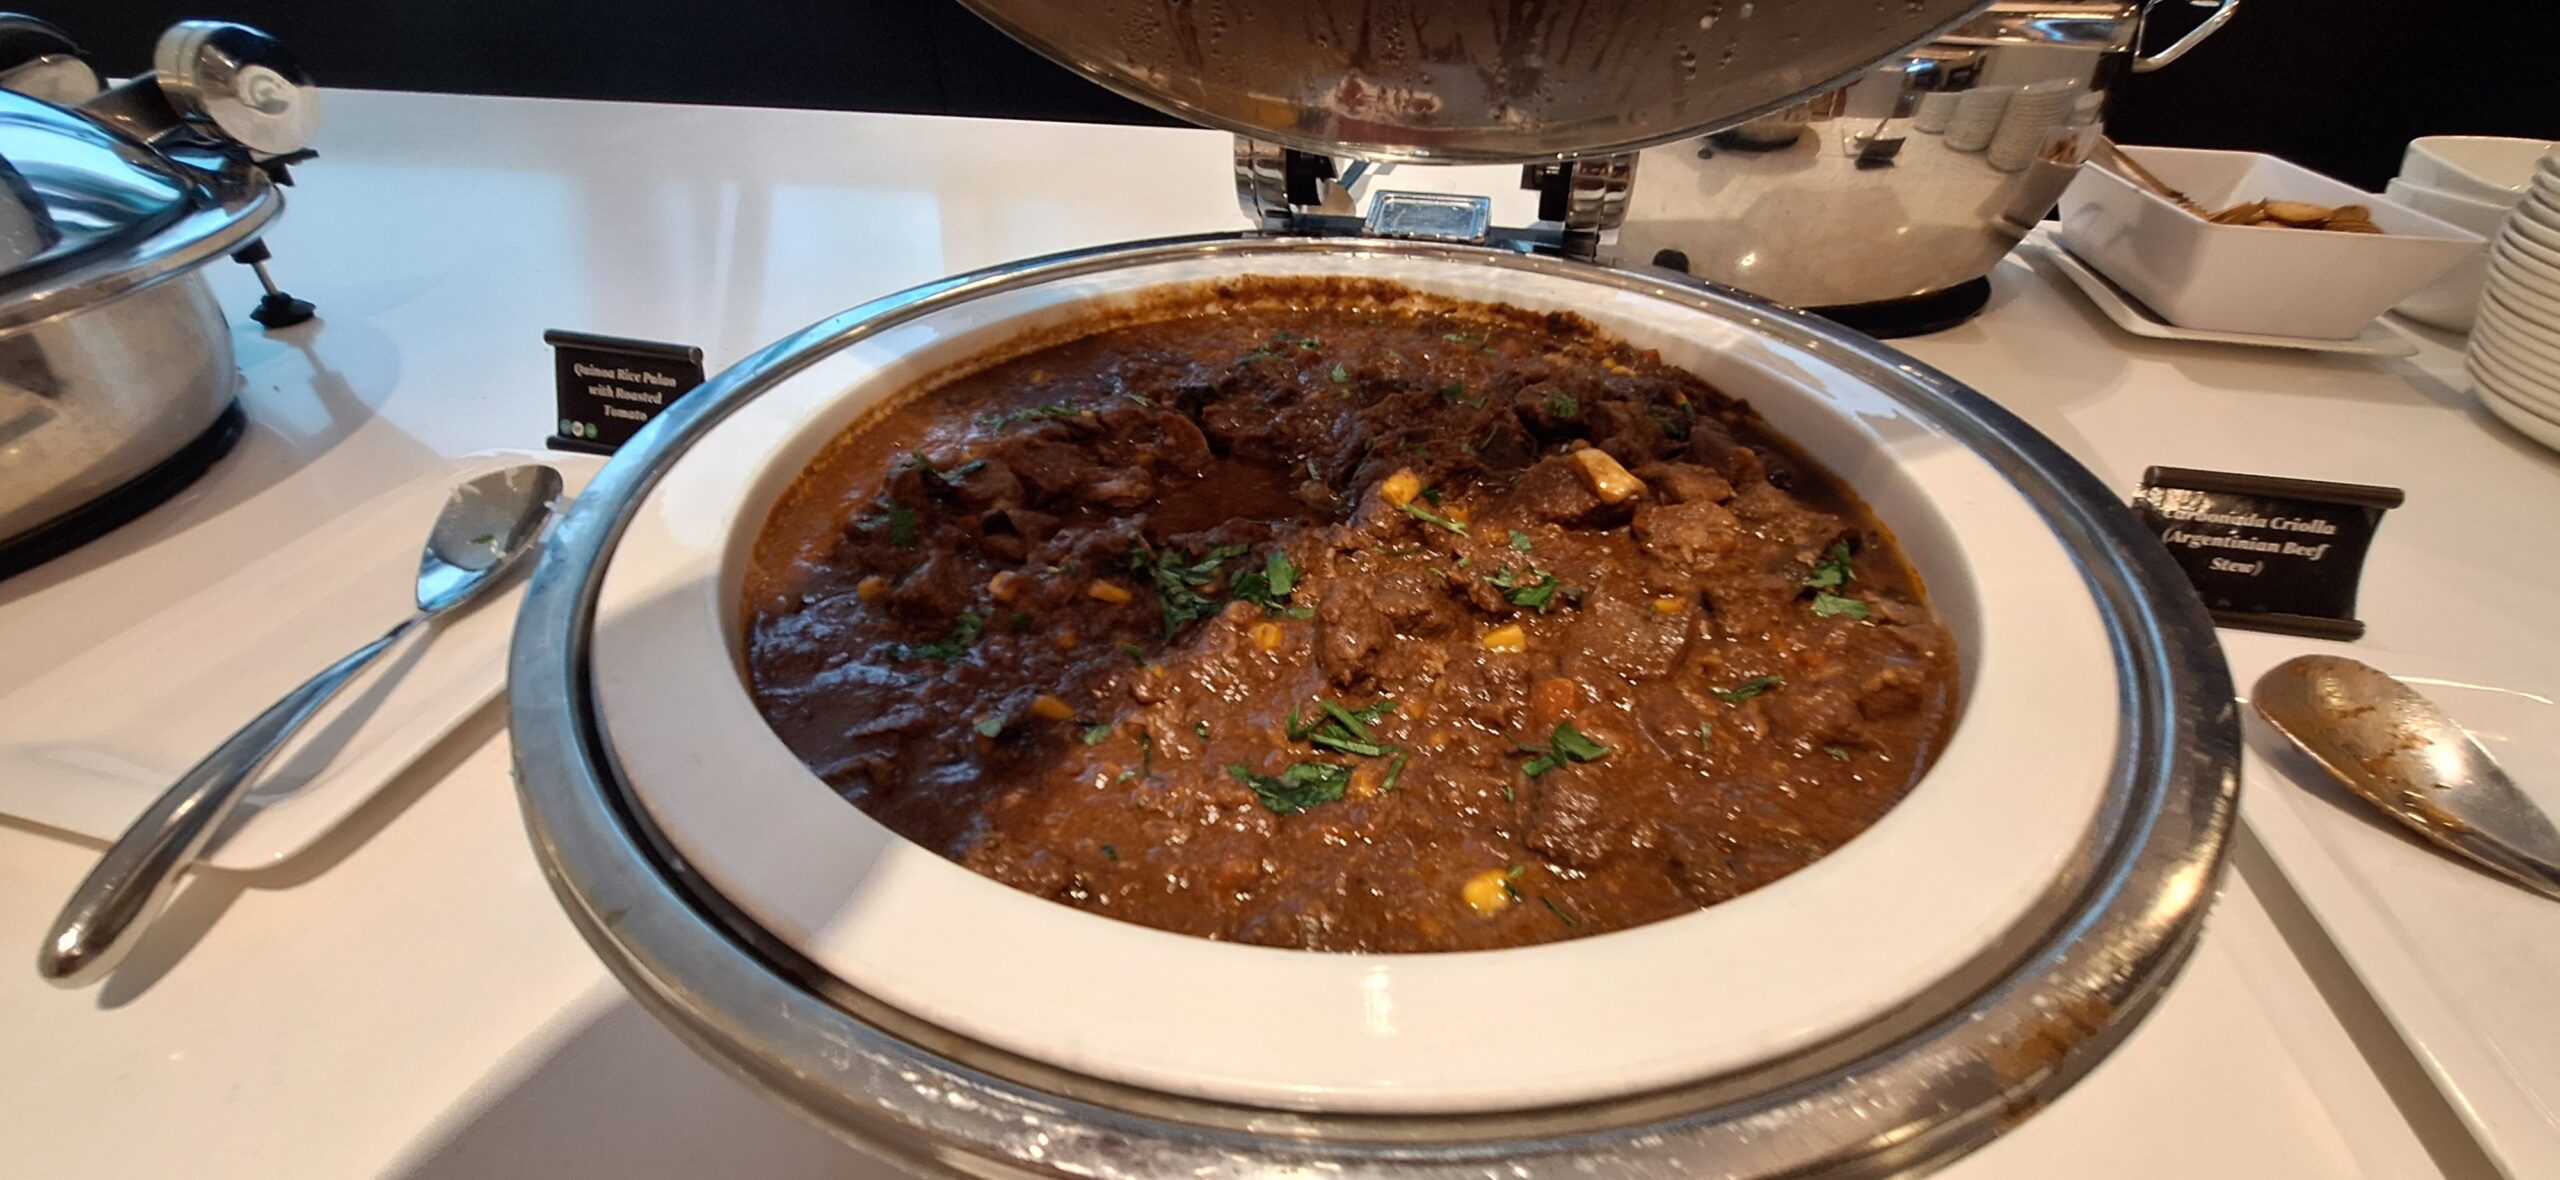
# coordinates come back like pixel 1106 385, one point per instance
pixel 1049 708
pixel 1553 698
pixel 1006 585
pixel 1267 636
pixel 1111 592
pixel 1486 892
pixel 1066 640
pixel 1507 637
pixel 1666 606
pixel 871 589
pixel 1400 488
pixel 1614 483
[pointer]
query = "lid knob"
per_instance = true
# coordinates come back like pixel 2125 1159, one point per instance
pixel 238 83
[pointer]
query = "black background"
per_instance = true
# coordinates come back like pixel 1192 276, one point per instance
pixel 2336 85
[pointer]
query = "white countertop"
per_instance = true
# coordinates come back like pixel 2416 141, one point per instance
pixel 406 997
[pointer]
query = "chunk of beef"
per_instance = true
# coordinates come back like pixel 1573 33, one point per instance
pixel 1679 483
pixel 1555 489
pixel 1690 537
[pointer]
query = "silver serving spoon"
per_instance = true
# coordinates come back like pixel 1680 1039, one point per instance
pixel 2393 746
pixel 486 525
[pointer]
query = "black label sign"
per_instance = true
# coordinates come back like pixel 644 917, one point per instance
pixel 2268 554
pixel 611 387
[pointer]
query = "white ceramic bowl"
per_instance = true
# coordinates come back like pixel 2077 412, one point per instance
pixel 2471 213
pixel 2265 280
pixel 2485 167
pixel 1958 864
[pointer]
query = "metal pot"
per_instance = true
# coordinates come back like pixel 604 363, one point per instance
pixel 1913 180
pixel 115 360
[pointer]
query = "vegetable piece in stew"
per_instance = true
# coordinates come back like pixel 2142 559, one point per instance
pixel 1339 618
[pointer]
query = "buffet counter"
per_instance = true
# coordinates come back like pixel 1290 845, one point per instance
pixel 405 996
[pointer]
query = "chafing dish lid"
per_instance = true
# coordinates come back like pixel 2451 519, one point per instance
pixel 70 187
pixel 1484 81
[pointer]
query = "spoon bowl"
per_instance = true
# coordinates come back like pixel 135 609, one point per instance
pixel 2395 749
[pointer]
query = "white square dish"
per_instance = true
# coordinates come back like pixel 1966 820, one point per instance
pixel 2262 280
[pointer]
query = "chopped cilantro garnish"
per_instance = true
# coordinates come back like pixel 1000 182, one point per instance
pixel 1031 414
pixel 1564 405
pixel 1146 759
pixel 1566 745
pixel 902 526
pixel 484 538
pixel 1343 730
pixel 1133 651
pixel 951 478
pixel 988 727
pixel 1095 735
pixel 1178 578
pixel 1520 540
pixel 1832 572
pixel 1201 728
pixel 1678 422
pixel 1560 912
pixel 1419 512
pixel 964 631
pixel 1838 753
pixel 1538 595
pixel 1110 853
pixel 1302 787
pixel 1341 375
pixel 1455 391
pixel 1395 770
pixel 1706 734
pixel 1019 621
pixel 1747 689
pixel 1827 605
pixel 1270 586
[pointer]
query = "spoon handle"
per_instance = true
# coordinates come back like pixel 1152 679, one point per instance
pixel 123 893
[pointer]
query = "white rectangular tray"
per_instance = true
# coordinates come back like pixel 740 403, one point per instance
pixel 86 745
pixel 2465 965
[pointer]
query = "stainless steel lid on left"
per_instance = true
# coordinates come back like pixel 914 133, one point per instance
pixel 70 187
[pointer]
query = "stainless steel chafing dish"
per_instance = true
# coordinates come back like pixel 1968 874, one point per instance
pixel 116 373
pixel 2033 1011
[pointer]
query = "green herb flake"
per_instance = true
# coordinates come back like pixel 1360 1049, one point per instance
pixel 902 527
pixel 1110 853
pixel 1747 689
pixel 1395 770
pixel 1302 787
pixel 1095 735
pixel 1270 586
pixel 963 632
pixel 1565 746
pixel 1561 913
pixel 1564 405
pixel 1178 579
pixel 1031 414
pixel 1829 605
pixel 1343 730
pixel 1019 621
pixel 989 727
pixel 1832 571
pixel 1455 391
pixel 1201 728
pixel 1837 753
pixel 1341 375
pixel 1133 651
pixel 1706 735
pixel 1538 595
pixel 1418 512
pixel 1146 759
pixel 484 538
pixel 1520 540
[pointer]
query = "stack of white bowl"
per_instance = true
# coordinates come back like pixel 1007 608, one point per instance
pixel 2472 181
pixel 2031 115
pixel 2514 359
pixel 1977 117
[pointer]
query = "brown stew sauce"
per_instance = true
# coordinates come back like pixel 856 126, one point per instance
pixel 1346 619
